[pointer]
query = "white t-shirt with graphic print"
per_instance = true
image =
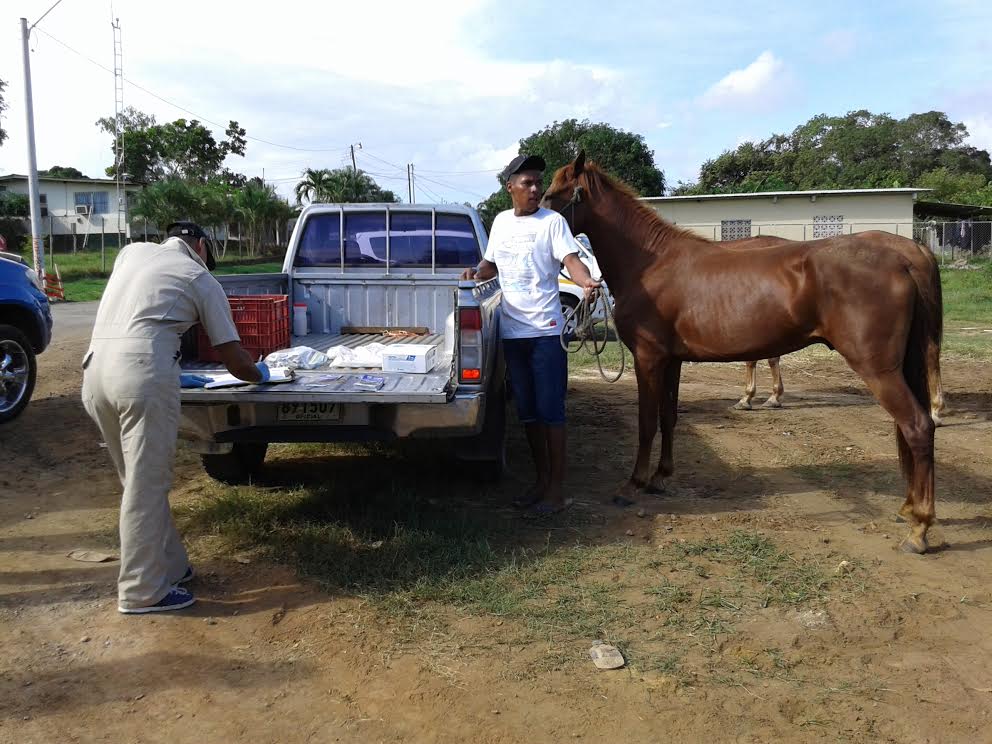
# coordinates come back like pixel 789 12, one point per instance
pixel 528 252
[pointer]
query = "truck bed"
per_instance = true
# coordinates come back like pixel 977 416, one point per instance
pixel 317 385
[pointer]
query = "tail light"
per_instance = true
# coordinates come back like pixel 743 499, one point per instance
pixel 469 344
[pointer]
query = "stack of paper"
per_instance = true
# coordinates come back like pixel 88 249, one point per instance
pixel 276 375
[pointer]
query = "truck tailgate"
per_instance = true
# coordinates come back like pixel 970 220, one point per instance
pixel 338 385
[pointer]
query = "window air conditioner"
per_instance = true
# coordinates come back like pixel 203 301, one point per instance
pixel 82 209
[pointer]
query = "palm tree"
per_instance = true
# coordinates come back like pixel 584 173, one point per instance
pixel 314 186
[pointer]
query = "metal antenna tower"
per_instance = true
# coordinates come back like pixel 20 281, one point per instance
pixel 119 175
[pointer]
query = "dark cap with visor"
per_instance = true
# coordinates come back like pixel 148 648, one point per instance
pixel 186 229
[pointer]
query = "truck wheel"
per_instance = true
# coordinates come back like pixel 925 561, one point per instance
pixel 18 372
pixel 239 466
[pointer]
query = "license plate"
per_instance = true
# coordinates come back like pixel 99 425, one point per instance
pixel 309 412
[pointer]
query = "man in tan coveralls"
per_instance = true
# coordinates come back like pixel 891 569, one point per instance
pixel 131 380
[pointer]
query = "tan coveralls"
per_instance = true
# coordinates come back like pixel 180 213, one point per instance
pixel 131 390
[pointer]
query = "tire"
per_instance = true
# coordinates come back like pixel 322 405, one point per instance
pixel 568 303
pixel 18 372
pixel 239 466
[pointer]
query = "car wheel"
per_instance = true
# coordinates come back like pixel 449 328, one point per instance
pixel 568 304
pixel 18 372
pixel 237 467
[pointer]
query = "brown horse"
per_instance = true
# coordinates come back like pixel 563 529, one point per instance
pixel 680 297
pixel 912 249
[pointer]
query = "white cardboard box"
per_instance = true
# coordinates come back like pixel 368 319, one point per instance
pixel 409 358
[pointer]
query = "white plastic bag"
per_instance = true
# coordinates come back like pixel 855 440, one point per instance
pixel 369 355
pixel 298 357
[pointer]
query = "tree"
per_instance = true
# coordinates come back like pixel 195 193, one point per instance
pixel 964 188
pixel 858 150
pixel 165 201
pixel 260 207
pixel 622 154
pixel 3 107
pixel 63 171
pixel 14 205
pixel 341 186
pixel 178 149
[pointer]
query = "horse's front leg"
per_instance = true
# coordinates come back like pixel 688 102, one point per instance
pixel 671 375
pixel 648 398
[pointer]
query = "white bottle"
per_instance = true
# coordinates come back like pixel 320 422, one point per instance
pixel 300 319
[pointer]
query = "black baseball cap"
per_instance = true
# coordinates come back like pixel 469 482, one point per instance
pixel 187 229
pixel 524 163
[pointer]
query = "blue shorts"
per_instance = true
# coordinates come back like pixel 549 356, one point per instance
pixel 538 370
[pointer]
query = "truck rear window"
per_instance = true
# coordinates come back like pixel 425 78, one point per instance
pixel 456 244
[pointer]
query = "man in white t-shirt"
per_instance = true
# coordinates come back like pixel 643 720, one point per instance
pixel 527 246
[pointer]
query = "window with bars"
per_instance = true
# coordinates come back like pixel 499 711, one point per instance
pixel 735 229
pixel 827 226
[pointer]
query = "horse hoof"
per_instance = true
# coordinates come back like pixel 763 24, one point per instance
pixel 742 405
pixel 771 404
pixel 653 490
pixel 937 420
pixel 622 501
pixel 915 545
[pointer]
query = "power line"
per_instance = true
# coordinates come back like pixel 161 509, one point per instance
pixel 57 3
pixel 183 108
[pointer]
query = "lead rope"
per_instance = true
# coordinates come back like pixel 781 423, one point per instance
pixel 584 327
pixel 581 326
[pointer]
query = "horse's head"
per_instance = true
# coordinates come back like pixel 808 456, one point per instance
pixel 568 193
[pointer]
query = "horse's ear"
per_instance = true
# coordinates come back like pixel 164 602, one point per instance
pixel 580 162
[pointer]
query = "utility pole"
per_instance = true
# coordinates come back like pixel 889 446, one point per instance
pixel 354 165
pixel 37 246
pixel 120 177
pixel 411 183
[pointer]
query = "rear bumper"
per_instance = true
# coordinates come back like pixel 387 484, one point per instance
pixel 211 428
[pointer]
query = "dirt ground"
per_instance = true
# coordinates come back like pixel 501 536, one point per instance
pixel 269 657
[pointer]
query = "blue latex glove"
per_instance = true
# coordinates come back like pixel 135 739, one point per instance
pixel 190 380
pixel 264 369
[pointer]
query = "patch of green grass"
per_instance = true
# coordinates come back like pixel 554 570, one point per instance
pixel 968 295
pixel 584 359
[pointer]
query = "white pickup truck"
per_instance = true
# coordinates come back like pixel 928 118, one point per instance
pixel 368 273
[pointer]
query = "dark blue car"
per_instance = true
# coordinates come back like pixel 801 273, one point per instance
pixel 25 330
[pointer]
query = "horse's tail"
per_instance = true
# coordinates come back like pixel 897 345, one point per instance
pixel 935 342
pixel 921 364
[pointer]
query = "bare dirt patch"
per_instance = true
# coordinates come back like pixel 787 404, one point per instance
pixel 366 595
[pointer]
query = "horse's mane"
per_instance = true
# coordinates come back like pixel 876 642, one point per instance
pixel 635 213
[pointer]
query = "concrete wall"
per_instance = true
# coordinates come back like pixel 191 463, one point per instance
pixel 791 216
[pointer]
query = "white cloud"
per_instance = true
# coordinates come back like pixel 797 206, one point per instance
pixel 753 85
pixel 980 131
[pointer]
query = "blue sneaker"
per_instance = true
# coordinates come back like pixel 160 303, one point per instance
pixel 188 576
pixel 176 599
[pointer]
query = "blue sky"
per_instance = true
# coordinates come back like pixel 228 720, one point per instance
pixel 451 85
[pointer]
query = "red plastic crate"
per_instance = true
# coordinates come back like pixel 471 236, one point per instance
pixel 262 322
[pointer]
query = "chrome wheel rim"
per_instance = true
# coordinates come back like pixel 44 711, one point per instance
pixel 15 370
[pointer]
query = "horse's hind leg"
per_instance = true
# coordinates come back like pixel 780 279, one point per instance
pixel 750 386
pixel 914 435
pixel 775 399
